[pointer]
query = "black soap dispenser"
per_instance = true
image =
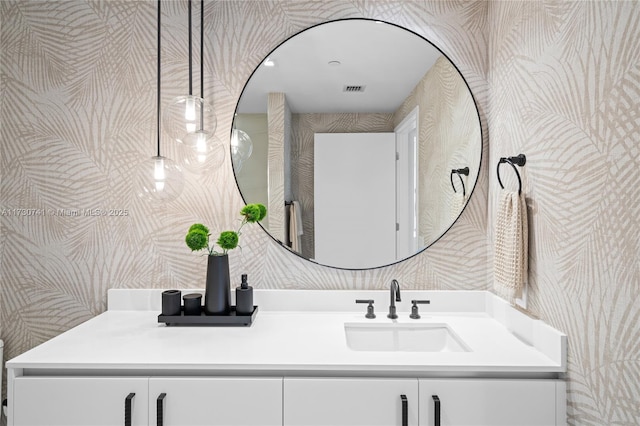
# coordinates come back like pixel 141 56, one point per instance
pixel 244 297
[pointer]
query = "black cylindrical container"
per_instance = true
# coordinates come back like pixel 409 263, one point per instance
pixel 192 304
pixel 171 302
pixel 217 297
pixel 244 297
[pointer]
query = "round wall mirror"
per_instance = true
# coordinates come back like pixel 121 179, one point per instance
pixel 361 138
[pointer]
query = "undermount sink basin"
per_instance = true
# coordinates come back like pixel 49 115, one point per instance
pixel 403 338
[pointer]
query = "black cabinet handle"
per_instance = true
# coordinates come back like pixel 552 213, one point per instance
pixel 405 410
pixel 436 410
pixel 160 409
pixel 127 409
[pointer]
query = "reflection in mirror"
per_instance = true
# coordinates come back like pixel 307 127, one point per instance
pixel 356 126
pixel 241 148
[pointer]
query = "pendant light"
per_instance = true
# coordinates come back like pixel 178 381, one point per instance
pixel 241 148
pixel 190 119
pixel 202 140
pixel 159 178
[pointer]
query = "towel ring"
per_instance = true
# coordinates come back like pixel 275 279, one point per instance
pixel 519 160
pixel 464 171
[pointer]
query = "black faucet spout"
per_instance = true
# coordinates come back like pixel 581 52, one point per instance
pixel 394 290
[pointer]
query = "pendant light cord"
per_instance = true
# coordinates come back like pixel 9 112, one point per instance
pixel 158 94
pixel 202 64
pixel 202 49
pixel 190 54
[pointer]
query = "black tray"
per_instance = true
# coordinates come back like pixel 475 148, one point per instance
pixel 233 319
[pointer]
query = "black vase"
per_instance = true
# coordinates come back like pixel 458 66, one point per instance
pixel 217 296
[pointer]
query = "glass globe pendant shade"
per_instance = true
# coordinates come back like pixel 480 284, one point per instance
pixel 241 147
pixel 159 179
pixel 204 148
pixel 185 115
pixel 200 142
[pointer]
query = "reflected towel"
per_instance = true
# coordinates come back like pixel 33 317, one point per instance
pixel 295 226
pixel 511 246
pixel 457 204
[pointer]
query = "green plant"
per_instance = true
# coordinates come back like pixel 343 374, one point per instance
pixel 198 236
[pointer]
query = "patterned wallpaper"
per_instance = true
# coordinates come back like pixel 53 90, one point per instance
pixel 559 81
pixel 448 139
pixel 276 112
pixel 564 84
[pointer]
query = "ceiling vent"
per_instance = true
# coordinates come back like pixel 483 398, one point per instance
pixel 354 89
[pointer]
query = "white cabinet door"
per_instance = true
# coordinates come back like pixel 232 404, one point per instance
pixel 79 401
pixel 213 401
pixel 490 402
pixel 347 402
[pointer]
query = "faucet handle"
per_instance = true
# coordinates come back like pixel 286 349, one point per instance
pixel 414 308
pixel 370 313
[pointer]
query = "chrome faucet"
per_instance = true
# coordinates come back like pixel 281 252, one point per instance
pixel 395 297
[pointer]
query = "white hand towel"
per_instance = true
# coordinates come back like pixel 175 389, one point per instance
pixel 457 204
pixel 295 226
pixel 511 246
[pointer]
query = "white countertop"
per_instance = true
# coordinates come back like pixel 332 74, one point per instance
pixel 307 341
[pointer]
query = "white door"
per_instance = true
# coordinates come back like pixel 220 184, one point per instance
pixel 80 401
pixel 348 402
pixel 216 401
pixel 407 212
pixel 489 402
pixel 354 199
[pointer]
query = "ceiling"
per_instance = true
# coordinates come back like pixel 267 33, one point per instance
pixel 313 68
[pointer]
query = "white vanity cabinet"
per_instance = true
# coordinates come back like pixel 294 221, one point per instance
pixel 80 401
pixel 292 367
pixel 142 401
pixel 427 402
pixel 288 401
pixel 491 402
pixel 197 401
pixel 350 401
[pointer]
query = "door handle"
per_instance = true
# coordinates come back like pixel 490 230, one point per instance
pixel 160 409
pixel 127 409
pixel 405 410
pixel 436 410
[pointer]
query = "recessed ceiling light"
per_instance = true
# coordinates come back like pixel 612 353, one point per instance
pixel 269 63
pixel 333 63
